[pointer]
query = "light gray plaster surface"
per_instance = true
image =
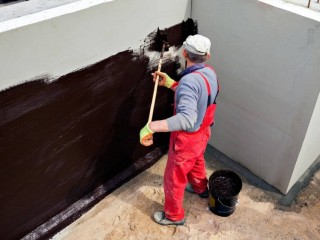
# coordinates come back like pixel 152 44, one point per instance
pixel 22 8
pixel 60 40
pixel 268 61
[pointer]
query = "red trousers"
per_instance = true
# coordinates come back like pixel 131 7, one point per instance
pixel 185 164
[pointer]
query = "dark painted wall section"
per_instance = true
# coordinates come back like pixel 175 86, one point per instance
pixel 7 1
pixel 59 141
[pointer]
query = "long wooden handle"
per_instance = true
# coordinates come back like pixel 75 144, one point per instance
pixel 154 93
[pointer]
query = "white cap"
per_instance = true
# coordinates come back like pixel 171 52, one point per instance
pixel 197 44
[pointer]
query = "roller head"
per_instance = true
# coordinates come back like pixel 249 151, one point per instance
pixel 174 36
pixel 160 39
pixel 166 46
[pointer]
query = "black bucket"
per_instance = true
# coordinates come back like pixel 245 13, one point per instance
pixel 224 187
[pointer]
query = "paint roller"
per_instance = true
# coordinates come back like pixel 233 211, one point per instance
pixel 160 44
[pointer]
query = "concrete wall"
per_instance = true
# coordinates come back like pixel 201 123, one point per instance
pixel 68 141
pixel 268 62
pixel 60 40
pixel 310 150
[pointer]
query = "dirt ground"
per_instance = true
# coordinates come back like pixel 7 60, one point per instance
pixel 127 213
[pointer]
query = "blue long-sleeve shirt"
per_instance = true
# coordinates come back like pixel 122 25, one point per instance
pixel 191 98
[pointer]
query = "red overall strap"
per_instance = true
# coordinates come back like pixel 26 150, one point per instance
pixel 208 87
pixel 211 107
pixel 212 68
pixel 206 81
pixel 208 119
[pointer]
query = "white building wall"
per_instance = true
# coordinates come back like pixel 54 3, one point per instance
pixel 310 150
pixel 62 39
pixel 268 61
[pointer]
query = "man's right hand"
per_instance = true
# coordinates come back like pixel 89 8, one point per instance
pixel 164 79
pixel 146 136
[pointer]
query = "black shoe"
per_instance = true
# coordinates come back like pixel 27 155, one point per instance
pixel 204 194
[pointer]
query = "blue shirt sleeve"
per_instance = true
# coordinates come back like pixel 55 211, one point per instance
pixel 187 97
pixel 191 100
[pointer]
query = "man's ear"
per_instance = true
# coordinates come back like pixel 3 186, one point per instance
pixel 184 53
pixel 208 56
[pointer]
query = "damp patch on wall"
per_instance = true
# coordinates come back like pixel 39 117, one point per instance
pixel 66 144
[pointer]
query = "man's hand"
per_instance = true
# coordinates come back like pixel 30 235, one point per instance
pixel 146 136
pixel 164 79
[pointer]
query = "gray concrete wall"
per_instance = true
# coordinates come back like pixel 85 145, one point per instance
pixel 268 61
pixel 62 39
pixel 310 148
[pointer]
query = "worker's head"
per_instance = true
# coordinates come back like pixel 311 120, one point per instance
pixel 197 48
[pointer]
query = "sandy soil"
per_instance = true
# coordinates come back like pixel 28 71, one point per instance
pixel 127 214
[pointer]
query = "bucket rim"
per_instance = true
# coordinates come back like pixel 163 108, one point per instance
pixel 235 177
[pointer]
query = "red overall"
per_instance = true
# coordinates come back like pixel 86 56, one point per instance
pixel 186 163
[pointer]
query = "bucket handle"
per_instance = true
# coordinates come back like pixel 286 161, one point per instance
pixel 237 202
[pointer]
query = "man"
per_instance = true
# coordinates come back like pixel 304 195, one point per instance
pixel 195 105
